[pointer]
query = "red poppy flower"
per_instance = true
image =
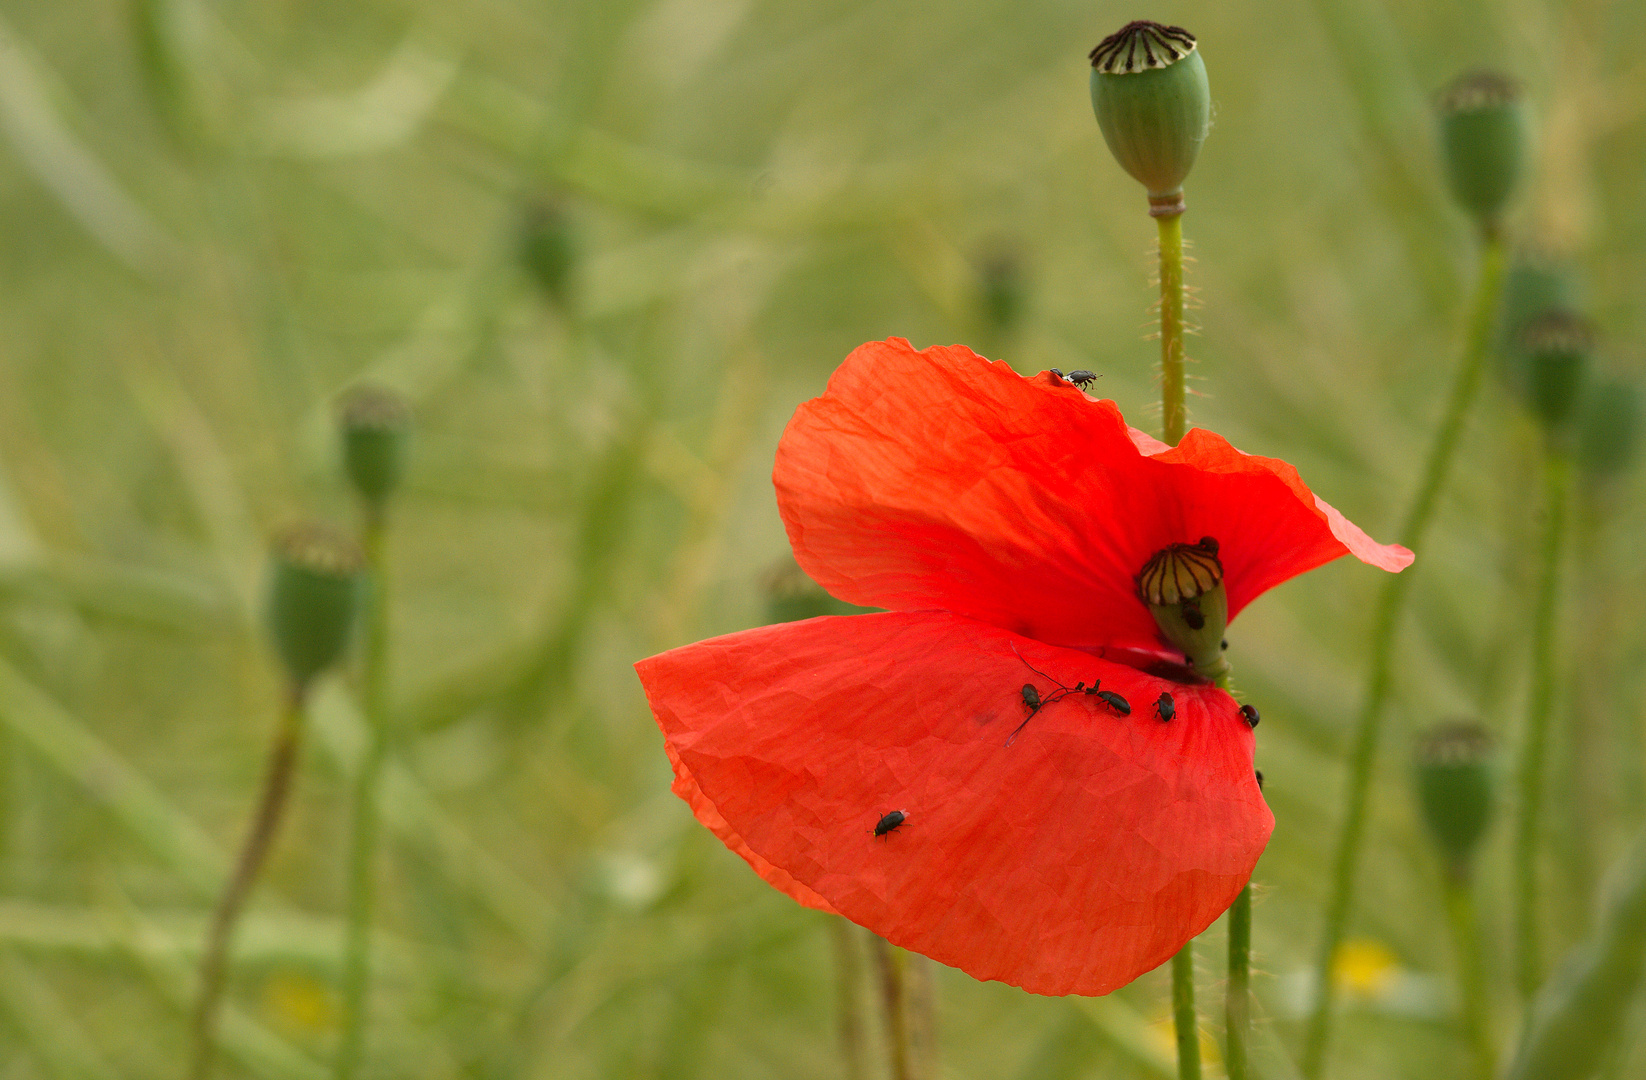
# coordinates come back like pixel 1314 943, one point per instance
pixel 1003 521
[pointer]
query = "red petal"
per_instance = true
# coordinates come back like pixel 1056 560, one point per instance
pixel 936 479
pixel 1072 861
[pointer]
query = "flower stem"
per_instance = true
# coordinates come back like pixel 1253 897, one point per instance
pixel 890 962
pixel 1238 1005
pixel 1173 414
pixel 848 977
pixel 1528 963
pixel 277 782
pixel 1471 976
pixel 363 840
pixel 1184 1018
pixel 1368 725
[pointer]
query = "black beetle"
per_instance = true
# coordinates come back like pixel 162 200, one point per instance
pixel 1248 713
pixel 890 822
pixel 1165 707
pixel 1115 701
pixel 1259 775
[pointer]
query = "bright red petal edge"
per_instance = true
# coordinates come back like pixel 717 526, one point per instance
pixel 937 479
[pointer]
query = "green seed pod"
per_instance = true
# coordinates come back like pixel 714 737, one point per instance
pixel 1532 287
pixel 1456 788
pixel 314 594
pixel 374 422
pixel 1608 428
pixel 1182 584
pixel 1153 105
pixel 1001 293
pixel 548 249
pixel 1557 345
pixel 1483 142
pixel 792 596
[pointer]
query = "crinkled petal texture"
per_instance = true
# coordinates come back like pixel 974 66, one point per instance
pixel 1080 856
pixel 936 479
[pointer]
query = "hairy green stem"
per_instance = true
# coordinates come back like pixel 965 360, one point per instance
pixel 848 977
pixel 1529 780
pixel 1471 974
pixel 1184 1017
pixel 893 999
pixel 1173 414
pixel 277 783
pixel 363 840
pixel 1369 723
pixel 1238 1005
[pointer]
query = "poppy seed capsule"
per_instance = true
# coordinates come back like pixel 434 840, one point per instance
pixel 1557 345
pixel 1455 788
pixel 1153 105
pixel 314 595
pixel 374 422
pixel 548 250
pixel 1483 141
pixel 1608 428
pixel 1182 584
pixel 1533 286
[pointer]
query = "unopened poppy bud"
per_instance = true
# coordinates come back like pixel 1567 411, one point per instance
pixel 1153 105
pixel 1183 586
pixel 1456 788
pixel 1608 428
pixel 1557 345
pixel 1532 287
pixel 548 249
pixel 374 423
pixel 314 594
pixel 1483 140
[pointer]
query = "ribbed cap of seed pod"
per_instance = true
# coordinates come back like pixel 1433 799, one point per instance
pixel 1557 344
pixel 1456 787
pixel 314 596
pixel 374 422
pixel 1483 141
pixel 1153 105
pixel 1182 584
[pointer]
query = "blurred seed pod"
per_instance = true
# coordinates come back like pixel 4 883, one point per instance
pixel 374 422
pixel 1608 427
pixel 1002 292
pixel 1153 105
pixel 1532 287
pixel 791 595
pixel 314 595
pixel 1557 345
pixel 548 249
pixel 1483 141
pixel 1456 787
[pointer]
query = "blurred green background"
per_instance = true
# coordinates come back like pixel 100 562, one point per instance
pixel 217 215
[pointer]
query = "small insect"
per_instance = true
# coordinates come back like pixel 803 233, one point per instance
pixel 1248 713
pixel 1031 698
pixel 1080 377
pixel 1165 707
pixel 1114 700
pixel 890 822
pixel 1259 774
